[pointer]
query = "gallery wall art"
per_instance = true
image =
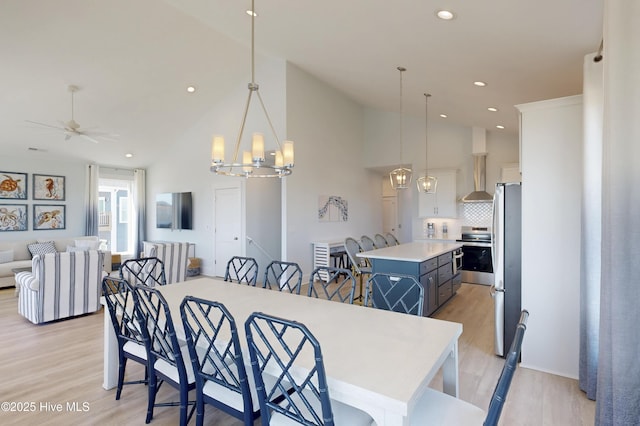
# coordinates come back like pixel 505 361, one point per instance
pixel 13 217
pixel 49 216
pixel 13 185
pixel 48 187
pixel 332 208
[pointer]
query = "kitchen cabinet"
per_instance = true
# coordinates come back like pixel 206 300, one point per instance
pixel 429 262
pixel 443 203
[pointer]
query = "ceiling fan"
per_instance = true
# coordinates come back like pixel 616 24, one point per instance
pixel 71 128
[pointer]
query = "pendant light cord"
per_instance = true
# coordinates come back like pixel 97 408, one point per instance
pixel 401 69
pixel 426 135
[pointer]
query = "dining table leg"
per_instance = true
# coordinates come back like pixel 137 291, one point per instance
pixel 110 367
pixel 450 384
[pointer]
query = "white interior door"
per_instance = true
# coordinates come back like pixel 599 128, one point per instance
pixel 389 215
pixel 228 227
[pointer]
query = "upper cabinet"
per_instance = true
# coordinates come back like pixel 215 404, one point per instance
pixel 443 202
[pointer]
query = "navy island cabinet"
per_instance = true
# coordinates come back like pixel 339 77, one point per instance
pixel 431 263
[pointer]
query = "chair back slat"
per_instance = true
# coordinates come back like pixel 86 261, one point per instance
pixel 340 285
pixel 242 270
pixel 284 276
pixel 367 243
pixel 395 292
pixel 391 239
pixel 148 271
pixel 214 347
pixel 276 345
pixel 119 299
pixel 380 241
pixel 352 247
pixel 504 382
pixel 154 316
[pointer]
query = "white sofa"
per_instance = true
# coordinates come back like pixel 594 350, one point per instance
pixel 19 252
pixel 174 255
pixel 61 285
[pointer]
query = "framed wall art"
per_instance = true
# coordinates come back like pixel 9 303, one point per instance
pixel 49 216
pixel 13 217
pixel 48 187
pixel 13 185
pixel 332 208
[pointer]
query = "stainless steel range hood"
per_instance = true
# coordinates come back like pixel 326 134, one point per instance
pixel 480 194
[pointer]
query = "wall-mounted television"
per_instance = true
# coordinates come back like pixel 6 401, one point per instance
pixel 174 210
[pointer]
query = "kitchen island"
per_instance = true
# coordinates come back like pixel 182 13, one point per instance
pixel 433 264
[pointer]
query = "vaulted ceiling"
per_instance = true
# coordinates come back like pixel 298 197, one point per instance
pixel 134 59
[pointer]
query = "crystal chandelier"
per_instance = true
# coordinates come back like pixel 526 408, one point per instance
pixel 400 177
pixel 426 183
pixel 253 163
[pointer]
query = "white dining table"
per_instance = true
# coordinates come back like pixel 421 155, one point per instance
pixel 378 361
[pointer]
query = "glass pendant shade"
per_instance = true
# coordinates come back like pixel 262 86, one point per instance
pixel 426 184
pixel 251 161
pixel 401 177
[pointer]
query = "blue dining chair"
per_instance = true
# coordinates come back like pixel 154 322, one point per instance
pixel 284 276
pixel 147 271
pixel 276 347
pixel 216 357
pixel 166 356
pixel 131 344
pixel 332 284
pixel 242 270
pixel 443 409
pixel 395 292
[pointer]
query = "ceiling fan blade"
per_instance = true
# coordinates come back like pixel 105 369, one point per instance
pixel 89 138
pixel 45 125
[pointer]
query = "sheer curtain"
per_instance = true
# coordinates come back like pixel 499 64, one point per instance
pixel 139 210
pixel 91 199
pixel 618 387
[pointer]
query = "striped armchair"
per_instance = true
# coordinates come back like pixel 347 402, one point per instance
pixel 174 256
pixel 61 285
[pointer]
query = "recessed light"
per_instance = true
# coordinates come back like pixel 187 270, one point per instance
pixel 445 15
pixel 251 12
pixel 500 126
pixel 191 89
pixel 480 83
pixel 128 155
pixel 443 115
pixel 492 109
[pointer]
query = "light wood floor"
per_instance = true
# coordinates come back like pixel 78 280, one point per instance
pixel 61 363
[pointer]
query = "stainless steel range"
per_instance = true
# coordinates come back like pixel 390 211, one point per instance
pixel 477 266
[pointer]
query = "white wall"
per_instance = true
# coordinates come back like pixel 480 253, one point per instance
pixel 41 163
pixel 186 166
pixel 450 147
pixel 328 130
pixel 551 238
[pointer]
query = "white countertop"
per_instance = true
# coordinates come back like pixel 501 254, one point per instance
pixel 417 251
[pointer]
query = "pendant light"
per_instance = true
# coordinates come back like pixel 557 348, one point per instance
pixel 252 163
pixel 400 177
pixel 426 184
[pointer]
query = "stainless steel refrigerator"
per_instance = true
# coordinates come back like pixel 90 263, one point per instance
pixel 506 252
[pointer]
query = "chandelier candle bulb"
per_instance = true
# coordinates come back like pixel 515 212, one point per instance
pixel 279 160
pixel 287 153
pixel 257 148
pixel 217 149
pixel 246 160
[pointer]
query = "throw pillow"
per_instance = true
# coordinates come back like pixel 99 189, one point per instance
pixel 6 256
pixel 88 244
pixel 42 248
